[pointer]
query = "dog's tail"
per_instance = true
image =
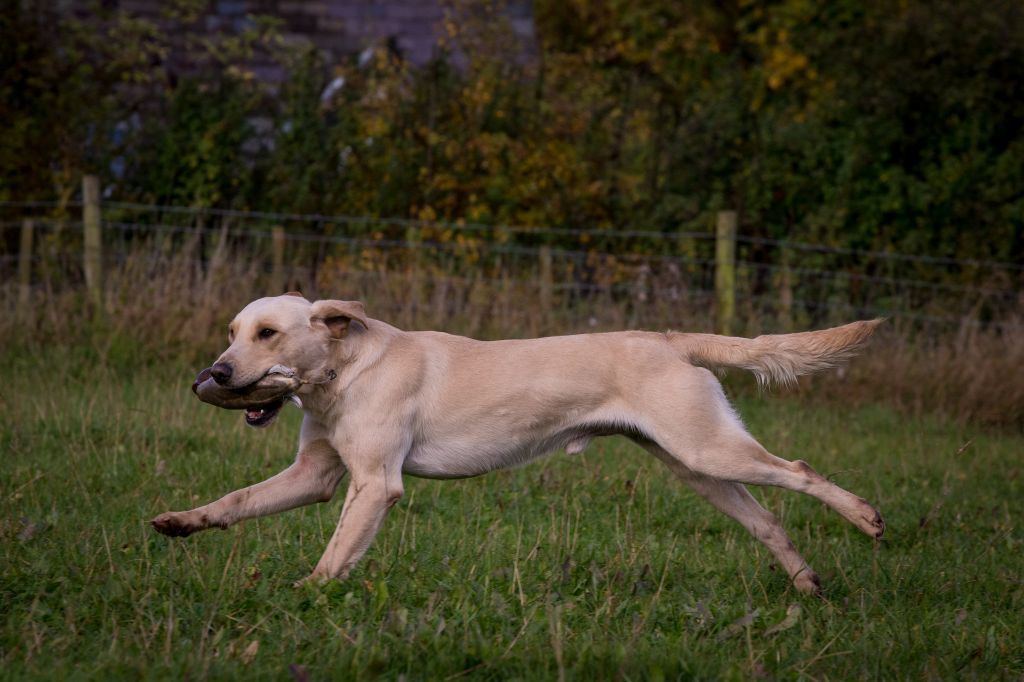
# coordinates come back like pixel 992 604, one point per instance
pixel 776 358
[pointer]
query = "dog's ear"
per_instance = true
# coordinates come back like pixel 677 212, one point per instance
pixel 337 315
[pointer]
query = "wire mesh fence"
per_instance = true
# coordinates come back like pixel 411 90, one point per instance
pixel 500 278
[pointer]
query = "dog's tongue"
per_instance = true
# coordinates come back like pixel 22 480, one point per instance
pixel 200 378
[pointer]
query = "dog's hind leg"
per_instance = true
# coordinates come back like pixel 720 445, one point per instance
pixel 313 477
pixel 742 459
pixel 734 500
pixel 713 442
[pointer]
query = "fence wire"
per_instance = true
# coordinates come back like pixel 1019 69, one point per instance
pixel 572 272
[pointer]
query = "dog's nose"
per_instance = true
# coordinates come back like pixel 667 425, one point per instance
pixel 221 372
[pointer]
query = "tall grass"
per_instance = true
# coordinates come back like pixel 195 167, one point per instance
pixel 164 301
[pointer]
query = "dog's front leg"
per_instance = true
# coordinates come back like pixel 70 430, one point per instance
pixel 313 477
pixel 366 504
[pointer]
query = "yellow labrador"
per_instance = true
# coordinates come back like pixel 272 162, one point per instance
pixel 380 402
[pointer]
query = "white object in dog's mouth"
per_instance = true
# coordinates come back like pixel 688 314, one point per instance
pixel 282 370
pixel 321 376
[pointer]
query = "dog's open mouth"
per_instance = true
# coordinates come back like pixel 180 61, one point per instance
pixel 263 415
pixel 262 399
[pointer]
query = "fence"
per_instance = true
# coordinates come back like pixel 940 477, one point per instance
pixel 496 278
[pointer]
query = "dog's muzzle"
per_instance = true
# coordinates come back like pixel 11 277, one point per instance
pixel 262 399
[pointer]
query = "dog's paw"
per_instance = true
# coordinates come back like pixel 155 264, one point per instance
pixel 870 521
pixel 316 578
pixel 877 525
pixel 311 580
pixel 173 524
pixel 808 582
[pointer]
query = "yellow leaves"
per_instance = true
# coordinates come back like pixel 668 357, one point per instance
pixel 375 126
pixel 443 182
pixel 479 94
pixel 478 211
pixel 784 63
pixel 240 73
pixel 433 137
pixel 451 28
pixel 783 59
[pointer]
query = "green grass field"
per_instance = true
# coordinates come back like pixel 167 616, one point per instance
pixel 594 566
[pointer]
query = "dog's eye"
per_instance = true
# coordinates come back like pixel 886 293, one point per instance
pixel 266 333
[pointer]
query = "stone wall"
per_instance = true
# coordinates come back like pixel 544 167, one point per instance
pixel 340 28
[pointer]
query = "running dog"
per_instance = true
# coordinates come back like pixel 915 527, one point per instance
pixel 380 403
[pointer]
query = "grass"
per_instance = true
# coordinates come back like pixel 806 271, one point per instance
pixel 593 566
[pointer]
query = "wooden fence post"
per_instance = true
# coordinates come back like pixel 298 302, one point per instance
pixel 414 242
pixel 725 272
pixel 277 283
pixel 25 266
pixel 220 250
pixel 93 256
pixel 546 281
pixel 785 293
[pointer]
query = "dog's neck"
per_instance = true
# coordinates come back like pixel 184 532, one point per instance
pixel 351 358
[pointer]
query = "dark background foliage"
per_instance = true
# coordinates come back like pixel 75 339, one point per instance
pixel 850 123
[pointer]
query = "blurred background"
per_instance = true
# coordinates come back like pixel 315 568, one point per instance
pixel 520 168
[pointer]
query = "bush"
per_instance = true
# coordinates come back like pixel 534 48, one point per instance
pixel 851 123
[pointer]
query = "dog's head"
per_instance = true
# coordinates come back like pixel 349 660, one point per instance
pixel 276 347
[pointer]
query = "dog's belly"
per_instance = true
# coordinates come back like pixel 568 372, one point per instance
pixel 467 457
pixel 460 461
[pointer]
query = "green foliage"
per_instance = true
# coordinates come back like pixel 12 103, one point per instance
pixel 63 89
pixel 194 155
pixel 852 123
